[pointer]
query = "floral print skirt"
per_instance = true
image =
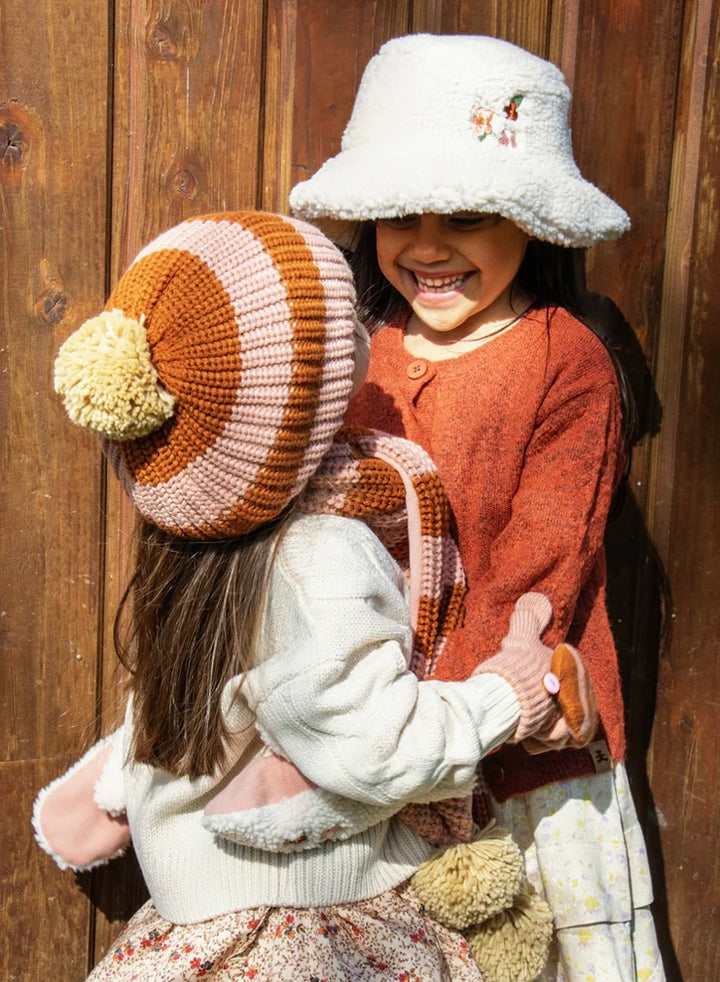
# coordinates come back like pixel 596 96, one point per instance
pixel 385 939
pixel 585 854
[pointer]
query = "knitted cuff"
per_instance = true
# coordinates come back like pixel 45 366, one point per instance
pixel 524 662
pixel 538 708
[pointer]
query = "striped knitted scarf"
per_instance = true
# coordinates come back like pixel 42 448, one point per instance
pixel 393 486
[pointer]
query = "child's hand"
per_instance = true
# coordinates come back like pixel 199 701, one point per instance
pixel 557 704
pixel 576 700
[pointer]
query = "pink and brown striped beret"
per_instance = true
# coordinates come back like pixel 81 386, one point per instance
pixel 220 370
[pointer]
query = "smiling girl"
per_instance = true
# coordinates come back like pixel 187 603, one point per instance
pixel 456 272
pixel 457 192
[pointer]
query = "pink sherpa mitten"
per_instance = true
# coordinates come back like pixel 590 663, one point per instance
pixel 557 703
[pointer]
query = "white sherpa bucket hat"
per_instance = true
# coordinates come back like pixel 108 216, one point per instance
pixel 459 123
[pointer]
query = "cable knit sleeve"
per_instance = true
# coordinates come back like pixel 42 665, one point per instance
pixel 334 694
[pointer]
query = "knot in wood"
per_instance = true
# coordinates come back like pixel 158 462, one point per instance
pixel 185 184
pixel 51 306
pixel 13 146
pixel 161 42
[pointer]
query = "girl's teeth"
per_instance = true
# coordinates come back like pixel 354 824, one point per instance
pixel 440 284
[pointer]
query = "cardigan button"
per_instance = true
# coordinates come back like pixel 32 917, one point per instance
pixel 417 368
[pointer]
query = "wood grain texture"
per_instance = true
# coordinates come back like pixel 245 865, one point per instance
pixel 526 24
pixel 45 913
pixel 685 512
pixel 187 113
pixel 330 56
pixel 52 235
pixel 54 124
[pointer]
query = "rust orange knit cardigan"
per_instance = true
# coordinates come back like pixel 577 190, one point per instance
pixel 526 435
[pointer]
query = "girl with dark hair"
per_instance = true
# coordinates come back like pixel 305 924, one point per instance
pixel 269 632
pixel 458 196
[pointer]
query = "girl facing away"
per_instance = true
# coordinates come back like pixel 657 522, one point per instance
pixel 265 622
pixel 467 217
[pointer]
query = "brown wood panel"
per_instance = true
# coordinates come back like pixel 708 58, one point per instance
pixel 330 56
pixel 686 513
pixel 526 24
pixel 53 129
pixel 623 65
pixel 45 912
pixel 623 130
pixel 53 170
pixel 279 108
pixel 187 103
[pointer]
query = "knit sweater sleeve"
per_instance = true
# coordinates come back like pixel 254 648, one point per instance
pixel 334 694
pixel 553 539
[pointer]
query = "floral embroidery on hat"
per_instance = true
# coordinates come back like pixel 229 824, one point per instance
pixel 488 122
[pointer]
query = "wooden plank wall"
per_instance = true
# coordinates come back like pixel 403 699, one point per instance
pixel 120 118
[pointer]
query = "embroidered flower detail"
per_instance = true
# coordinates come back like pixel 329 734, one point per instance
pixel 287 927
pixel 482 121
pixel 487 122
pixel 155 940
pixel 123 952
pixel 511 110
pixel 327 928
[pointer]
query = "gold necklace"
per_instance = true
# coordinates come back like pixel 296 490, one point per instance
pixel 491 334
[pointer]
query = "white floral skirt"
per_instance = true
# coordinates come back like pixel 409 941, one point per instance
pixel 585 854
pixel 385 939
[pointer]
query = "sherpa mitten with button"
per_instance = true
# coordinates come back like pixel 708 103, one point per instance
pixel 539 675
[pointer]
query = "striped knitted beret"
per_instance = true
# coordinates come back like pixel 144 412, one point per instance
pixel 219 371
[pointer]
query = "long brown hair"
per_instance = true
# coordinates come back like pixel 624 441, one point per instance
pixel 187 623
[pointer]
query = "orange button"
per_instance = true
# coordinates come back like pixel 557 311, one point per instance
pixel 416 369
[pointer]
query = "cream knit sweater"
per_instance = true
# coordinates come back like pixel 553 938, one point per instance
pixel 332 694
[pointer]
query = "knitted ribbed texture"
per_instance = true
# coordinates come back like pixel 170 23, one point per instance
pixel 249 320
pixel 520 650
pixel 392 485
pixel 544 434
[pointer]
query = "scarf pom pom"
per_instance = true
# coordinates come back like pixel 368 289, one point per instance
pixel 471 881
pixel 106 379
pixel 513 945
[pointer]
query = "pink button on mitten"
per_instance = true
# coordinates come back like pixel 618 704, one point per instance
pixel 557 703
pixel 576 701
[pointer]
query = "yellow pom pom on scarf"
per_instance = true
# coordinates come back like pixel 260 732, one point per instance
pixel 471 881
pixel 513 945
pixel 107 381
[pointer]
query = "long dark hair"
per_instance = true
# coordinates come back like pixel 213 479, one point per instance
pixel 552 276
pixel 187 623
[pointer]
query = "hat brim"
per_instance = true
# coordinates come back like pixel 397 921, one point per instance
pixel 555 204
